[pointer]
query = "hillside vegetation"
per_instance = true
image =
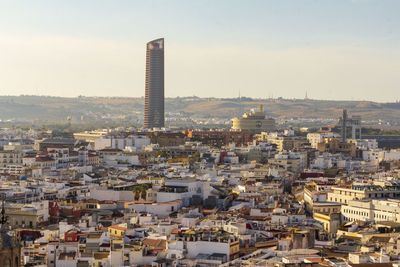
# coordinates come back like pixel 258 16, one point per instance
pixel 56 109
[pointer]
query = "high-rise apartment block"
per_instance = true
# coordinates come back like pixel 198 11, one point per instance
pixel 154 97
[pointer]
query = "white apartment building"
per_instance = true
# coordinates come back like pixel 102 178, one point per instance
pixel 10 157
pixel 365 143
pixel 236 228
pixel 121 159
pixel 378 155
pixel 60 155
pixel 323 161
pixel 121 142
pixel 183 190
pixel 326 160
pixel 192 246
pixel 290 161
pixel 161 210
pixel 372 210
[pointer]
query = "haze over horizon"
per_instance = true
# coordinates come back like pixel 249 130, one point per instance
pixel 339 50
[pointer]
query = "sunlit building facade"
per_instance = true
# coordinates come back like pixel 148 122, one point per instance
pixel 254 122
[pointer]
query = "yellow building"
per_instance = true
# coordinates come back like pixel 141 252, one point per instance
pixel 91 136
pixel 330 221
pixel 179 160
pixel 234 249
pixel 254 122
pixel 334 145
pixel 282 142
pixel 117 230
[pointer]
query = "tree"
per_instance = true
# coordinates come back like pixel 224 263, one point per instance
pixel 140 191
pixel 160 154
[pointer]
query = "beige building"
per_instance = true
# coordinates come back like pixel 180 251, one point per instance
pixel 91 136
pixel 20 215
pixel 330 221
pixel 360 192
pixel 290 161
pixel 11 159
pixel 372 210
pixel 282 142
pixel 254 122
pixel 315 138
pixel 334 145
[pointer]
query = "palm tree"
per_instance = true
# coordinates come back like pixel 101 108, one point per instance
pixel 139 191
pixel 136 192
pixel 143 191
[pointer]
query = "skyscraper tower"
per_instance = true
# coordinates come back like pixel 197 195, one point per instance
pixel 154 96
pixel 344 126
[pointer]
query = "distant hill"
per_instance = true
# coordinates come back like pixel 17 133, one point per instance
pixel 57 109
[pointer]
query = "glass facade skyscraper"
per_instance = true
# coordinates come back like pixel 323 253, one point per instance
pixel 154 95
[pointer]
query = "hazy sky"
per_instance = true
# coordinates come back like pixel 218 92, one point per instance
pixel 333 49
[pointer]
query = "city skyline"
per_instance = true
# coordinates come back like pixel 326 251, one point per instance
pixel 200 133
pixel 342 50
